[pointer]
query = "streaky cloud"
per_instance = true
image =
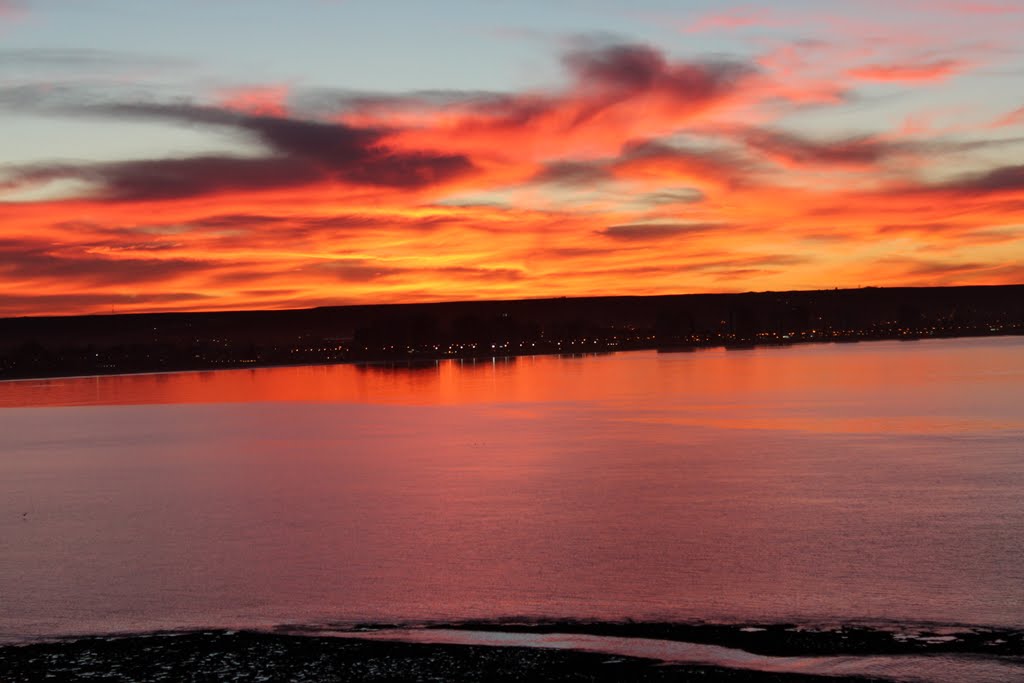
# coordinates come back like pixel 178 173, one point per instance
pixel 926 71
pixel 573 173
pixel 793 149
pixel 88 60
pixel 625 68
pixel 1001 180
pixel 657 231
pixel 35 260
pixel 302 152
pixel 1013 118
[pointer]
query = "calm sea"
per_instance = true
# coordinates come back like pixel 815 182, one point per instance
pixel 824 483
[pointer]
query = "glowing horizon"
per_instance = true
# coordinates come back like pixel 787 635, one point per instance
pixel 704 149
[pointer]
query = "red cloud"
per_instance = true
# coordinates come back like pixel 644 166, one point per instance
pixel 617 93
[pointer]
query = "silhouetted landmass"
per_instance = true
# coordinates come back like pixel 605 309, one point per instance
pixel 159 342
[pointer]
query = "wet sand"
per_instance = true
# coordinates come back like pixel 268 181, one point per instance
pixel 783 639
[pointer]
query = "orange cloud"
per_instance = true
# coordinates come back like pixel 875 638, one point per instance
pixel 591 118
pixel 928 71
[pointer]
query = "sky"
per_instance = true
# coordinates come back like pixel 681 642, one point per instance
pixel 174 155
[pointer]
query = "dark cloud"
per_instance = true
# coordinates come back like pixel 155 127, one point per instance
pixel 835 235
pixel 742 273
pixel 720 165
pixel 919 227
pixel 84 59
pixel 998 187
pixel 717 164
pixel 624 66
pixel 141 247
pixel 180 178
pixel 636 68
pixel 366 271
pixel 937 268
pixel 302 153
pixel 271 293
pixel 41 304
pixel 334 150
pixel 973 234
pixel 861 150
pixel 479 274
pixel 511 111
pixel 263 231
pixel 794 149
pixel 139 237
pixel 568 252
pixel 350 223
pixel 606 75
pixel 354 270
pixel 732 264
pixel 238 220
pixel 656 231
pixel 573 173
pixel 26 259
pixel 685 195
pixel 1003 179
pixel 333 145
pixel 330 101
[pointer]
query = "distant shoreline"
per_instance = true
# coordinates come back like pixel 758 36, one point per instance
pixel 92 345
pixel 422 360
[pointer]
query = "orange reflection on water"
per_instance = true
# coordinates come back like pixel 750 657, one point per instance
pixel 446 382
pixel 851 388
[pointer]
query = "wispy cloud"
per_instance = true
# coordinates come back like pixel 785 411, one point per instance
pixel 1013 118
pixel 656 231
pixel 303 152
pixel 734 18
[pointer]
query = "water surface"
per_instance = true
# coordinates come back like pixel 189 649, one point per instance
pixel 826 483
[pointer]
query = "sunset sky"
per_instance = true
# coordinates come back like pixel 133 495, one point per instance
pixel 225 154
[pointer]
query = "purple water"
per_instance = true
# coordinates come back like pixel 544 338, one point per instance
pixel 828 483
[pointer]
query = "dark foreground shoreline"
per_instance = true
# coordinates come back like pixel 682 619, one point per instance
pixel 385 652
pixel 255 656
